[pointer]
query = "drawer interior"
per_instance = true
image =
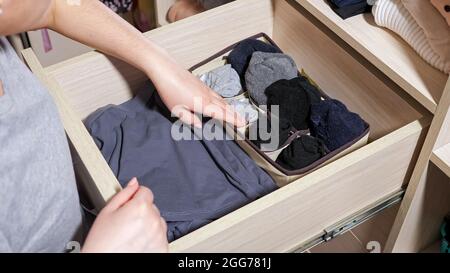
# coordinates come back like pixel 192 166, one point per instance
pixel 267 159
pixel 305 207
pixel 94 80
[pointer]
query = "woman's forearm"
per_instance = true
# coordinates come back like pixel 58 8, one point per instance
pixel 92 23
pixel 87 21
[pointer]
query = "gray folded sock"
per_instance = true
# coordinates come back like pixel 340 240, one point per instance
pixel 245 109
pixel 223 80
pixel 265 69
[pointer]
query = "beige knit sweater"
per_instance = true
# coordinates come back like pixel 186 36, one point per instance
pixel 393 15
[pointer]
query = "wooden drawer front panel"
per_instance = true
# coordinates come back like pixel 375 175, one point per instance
pixel 296 213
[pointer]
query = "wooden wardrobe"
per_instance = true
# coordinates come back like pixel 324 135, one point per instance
pixel 371 70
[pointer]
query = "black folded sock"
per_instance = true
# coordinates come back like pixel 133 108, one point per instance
pixel 351 10
pixel 284 132
pixel 301 153
pixel 294 98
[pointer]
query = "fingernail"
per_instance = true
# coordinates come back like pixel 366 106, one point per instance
pixel 132 182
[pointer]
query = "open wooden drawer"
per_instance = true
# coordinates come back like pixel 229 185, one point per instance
pixel 293 215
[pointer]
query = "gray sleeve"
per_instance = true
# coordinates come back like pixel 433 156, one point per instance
pixel 4 244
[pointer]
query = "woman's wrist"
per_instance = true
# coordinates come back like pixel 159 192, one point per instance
pixel 156 60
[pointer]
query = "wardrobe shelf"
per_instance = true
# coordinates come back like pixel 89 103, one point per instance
pixel 386 51
pixel 441 158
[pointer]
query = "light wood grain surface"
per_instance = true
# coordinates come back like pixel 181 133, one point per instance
pixel 408 232
pixel 441 158
pixel 386 50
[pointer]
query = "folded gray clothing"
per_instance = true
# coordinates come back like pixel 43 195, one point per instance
pixel 244 108
pixel 265 69
pixel 224 80
pixel 194 181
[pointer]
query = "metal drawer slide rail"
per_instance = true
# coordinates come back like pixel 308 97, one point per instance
pixel 352 221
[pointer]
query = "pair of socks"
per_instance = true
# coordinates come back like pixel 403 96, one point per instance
pixel 240 56
pixel 265 69
pixel 347 9
pixel 334 124
pixel 294 98
pixel 302 152
pixel 224 80
pixel 272 135
pixel 244 108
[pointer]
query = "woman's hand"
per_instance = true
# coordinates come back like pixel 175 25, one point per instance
pixel 184 94
pixel 130 222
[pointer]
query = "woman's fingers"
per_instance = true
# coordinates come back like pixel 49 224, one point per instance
pixel 220 111
pixel 230 116
pixel 215 95
pixel 123 196
pixel 187 116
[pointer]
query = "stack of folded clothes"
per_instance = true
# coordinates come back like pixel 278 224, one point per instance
pixel 194 180
pixel 421 25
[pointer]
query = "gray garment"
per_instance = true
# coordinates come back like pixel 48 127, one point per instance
pixel 244 108
pixel 224 80
pixel 39 206
pixel 194 181
pixel 210 4
pixel 265 69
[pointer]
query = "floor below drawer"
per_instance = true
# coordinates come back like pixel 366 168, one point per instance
pixel 360 238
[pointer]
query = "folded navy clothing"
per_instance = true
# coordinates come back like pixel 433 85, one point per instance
pixel 301 153
pixel 240 56
pixel 194 181
pixel 294 98
pixel 333 123
pixel 345 3
pixel 351 10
